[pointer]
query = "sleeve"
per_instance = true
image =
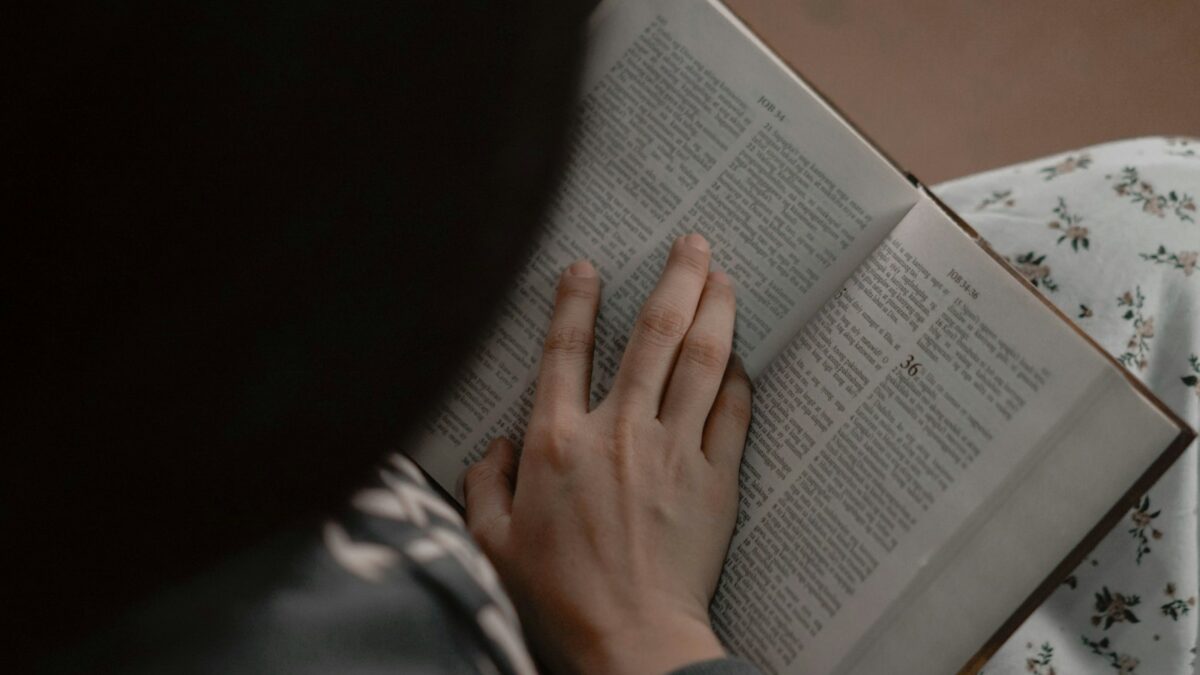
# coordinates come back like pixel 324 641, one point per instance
pixel 394 584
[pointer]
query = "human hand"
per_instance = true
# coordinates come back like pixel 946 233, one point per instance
pixel 611 533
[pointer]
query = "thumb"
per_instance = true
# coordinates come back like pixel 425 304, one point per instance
pixel 488 488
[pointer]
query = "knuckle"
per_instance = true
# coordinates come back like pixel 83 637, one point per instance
pixel 662 325
pixel 576 289
pixel 738 378
pixel 722 295
pixel 480 472
pixel 733 406
pixel 690 260
pixel 707 353
pixel 568 341
pixel 550 442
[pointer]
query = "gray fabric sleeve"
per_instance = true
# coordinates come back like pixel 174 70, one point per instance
pixel 725 666
pixel 312 600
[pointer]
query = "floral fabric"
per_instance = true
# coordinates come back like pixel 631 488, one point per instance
pixel 1111 235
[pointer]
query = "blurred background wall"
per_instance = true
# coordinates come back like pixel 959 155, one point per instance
pixel 950 87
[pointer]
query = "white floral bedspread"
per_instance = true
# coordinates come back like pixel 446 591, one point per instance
pixel 1111 235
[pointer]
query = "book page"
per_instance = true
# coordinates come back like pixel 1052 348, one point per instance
pixel 911 406
pixel 686 124
pixel 941 624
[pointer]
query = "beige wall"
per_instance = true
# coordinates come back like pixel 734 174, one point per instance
pixel 955 86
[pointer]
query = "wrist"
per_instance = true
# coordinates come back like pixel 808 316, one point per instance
pixel 657 644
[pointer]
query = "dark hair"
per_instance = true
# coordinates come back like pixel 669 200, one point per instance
pixel 252 244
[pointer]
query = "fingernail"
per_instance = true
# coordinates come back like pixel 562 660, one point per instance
pixel 582 268
pixel 697 242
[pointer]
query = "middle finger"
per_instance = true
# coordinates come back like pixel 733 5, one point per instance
pixel 662 323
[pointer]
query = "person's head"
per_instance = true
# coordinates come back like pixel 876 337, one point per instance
pixel 253 245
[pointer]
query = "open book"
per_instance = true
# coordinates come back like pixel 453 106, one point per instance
pixel 933 446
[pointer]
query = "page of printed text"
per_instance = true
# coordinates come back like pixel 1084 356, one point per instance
pixel 686 124
pixel 908 405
